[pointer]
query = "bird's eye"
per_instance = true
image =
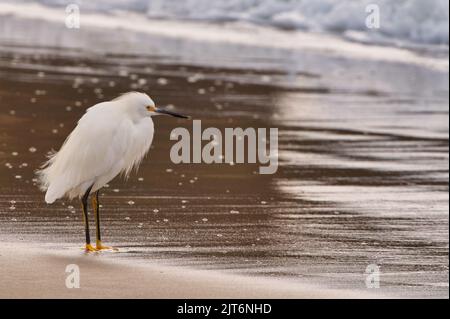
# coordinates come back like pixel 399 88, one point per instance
pixel 151 108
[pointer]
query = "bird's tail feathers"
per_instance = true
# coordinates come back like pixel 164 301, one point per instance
pixel 53 194
pixel 48 180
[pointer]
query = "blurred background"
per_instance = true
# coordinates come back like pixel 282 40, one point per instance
pixel 363 127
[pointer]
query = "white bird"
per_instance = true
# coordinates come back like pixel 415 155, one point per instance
pixel 110 138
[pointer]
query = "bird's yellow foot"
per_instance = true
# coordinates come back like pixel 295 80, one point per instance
pixel 89 248
pixel 99 246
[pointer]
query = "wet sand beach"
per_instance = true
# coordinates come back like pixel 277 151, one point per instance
pixel 25 272
pixel 362 178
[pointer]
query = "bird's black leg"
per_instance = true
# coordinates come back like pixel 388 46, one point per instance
pixel 96 208
pixel 86 219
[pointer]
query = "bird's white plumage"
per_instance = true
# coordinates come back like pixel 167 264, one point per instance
pixel 111 138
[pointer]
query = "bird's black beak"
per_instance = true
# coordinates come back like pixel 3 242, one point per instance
pixel 161 111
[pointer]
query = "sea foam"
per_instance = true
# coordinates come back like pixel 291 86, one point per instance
pixel 413 21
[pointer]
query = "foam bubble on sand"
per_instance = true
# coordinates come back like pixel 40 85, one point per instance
pixel 162 81
pixel 195 77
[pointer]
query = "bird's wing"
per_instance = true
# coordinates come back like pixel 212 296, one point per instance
pixel 93 149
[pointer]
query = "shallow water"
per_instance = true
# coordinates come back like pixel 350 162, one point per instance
pixel 363 176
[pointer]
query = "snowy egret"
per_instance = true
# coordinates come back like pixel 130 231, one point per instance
pixel 110 138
